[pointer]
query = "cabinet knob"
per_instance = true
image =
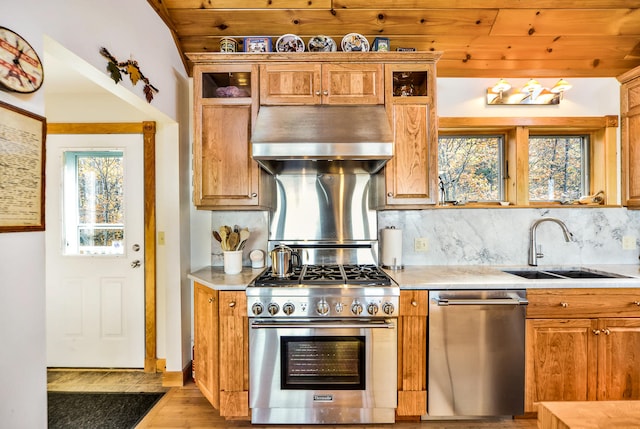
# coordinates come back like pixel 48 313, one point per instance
pixel 606 331
pixel 564 304
pixel 389 194
pixel 596 332
pixel 232 304
pixel 414 303
pixel 210 300
pixel 254 195
pixel 637 303
pixel 325 92
pixel 318 92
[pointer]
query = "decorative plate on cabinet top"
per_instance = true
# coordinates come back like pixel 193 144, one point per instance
pixel 355 42
pixel 322 43
pixel 289 43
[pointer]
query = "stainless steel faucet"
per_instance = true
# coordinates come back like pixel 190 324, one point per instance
pixel 534 254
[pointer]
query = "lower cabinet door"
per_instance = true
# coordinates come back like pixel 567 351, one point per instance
pixel 412 353
pixel 560 361
pixel 206 342
pixel 618 359
pixel 234 354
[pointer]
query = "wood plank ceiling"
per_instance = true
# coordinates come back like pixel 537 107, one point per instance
pixel 478 38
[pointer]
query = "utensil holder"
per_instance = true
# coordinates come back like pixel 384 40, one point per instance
pixel 232 261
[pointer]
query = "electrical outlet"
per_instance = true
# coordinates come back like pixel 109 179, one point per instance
pixel 421 244
pixel 161 241
pixel 628 242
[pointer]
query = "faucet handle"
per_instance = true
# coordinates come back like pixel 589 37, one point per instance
pixel 539 253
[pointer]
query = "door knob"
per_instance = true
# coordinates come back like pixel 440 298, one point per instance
pixel 135 264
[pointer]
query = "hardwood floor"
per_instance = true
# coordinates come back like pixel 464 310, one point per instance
pixel 185 407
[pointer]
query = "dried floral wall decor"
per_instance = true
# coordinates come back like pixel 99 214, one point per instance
pixel 130 67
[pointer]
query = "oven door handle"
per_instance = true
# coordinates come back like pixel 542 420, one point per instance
pixel 312 324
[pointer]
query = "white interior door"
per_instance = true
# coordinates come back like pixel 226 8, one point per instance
pixel 95 251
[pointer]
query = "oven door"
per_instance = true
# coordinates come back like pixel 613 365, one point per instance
pixel 323 371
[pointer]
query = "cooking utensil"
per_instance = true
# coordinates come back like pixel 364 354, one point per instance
pixel 223 238
pixel 216 235
pixel 244 236
pixel 234 240
pixel 282 260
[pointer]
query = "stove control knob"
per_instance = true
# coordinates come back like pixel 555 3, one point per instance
pixel 340 307
pixel 356 308
pixel 273 308
pixel 322 307
pixel 288 308
pixel 257 308
pixel 372 309
pixel 387 308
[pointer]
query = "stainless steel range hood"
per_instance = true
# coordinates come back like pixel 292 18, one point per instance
pixel 291 139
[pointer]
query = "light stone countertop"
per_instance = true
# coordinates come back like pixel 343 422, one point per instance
pixel 449 277
pixel 215 278
pixel 493 277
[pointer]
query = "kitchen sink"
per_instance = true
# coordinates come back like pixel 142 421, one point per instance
pixel 578 273
pixel 533 274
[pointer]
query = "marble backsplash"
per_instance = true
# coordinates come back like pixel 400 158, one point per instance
pixel 501 236
pixel 494 236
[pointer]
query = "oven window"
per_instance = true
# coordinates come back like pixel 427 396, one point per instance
pixel 325 362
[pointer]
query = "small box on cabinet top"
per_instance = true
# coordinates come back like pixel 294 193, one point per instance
pixel 257 44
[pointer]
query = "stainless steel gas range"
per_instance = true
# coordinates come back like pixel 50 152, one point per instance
pixel 323 335
pixel 323 345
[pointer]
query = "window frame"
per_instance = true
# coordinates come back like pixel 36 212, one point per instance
pixel 585 161
pixel 604 169
pixel 71 225
pixel 502 167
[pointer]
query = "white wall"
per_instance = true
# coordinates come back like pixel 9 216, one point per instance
pixel 466 97
pixel 127 29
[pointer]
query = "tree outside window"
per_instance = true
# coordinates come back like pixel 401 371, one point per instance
pixel 470 167
pixel 557 169
pixel 94 189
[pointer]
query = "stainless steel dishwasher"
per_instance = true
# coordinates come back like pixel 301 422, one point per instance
pixel 476 353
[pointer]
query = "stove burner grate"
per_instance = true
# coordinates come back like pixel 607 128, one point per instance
pixel 364 275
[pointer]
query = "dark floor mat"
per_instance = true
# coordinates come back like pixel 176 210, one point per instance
pixel 79 410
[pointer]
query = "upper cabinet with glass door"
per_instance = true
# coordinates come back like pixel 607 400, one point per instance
pixel 225 177
pixel 411 175
pixel 228 85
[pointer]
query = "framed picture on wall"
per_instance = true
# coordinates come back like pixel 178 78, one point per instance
pixel 22 166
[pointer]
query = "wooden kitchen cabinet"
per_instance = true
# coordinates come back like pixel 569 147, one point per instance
pixel 221 349
pixel 205 338
pixel 411 175
pixel 224 174
pixel 580 346
pixel 234 354
pixel 412 353
pixel 630 132
pixel 558 359
pixel 326 83
pixel 618 358
pixel 225 177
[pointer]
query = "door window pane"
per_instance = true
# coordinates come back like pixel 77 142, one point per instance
pixel 557 167
pixel 470 167
pixel 93 203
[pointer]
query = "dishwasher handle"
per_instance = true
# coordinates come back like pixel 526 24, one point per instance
pixel 472 301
